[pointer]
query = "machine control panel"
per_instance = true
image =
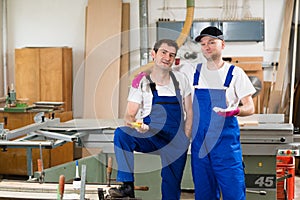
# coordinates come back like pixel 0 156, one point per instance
pixel 288 152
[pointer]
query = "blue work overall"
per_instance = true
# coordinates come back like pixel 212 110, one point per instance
pixel 166 138
pixel 217 164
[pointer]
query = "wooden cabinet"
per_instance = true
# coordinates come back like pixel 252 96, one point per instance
pixel 13 161
pixel 41 74
pixel 44 74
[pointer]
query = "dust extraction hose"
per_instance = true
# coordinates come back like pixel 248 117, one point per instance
pixel 190 4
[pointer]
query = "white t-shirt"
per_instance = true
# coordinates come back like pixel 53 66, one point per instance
pixel 143 94
pixel 240 85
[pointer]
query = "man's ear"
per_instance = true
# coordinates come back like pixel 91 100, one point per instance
pixel 223 44
pixel 153 53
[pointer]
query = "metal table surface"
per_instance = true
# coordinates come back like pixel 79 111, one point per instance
pixel 97 133
pixel 267 136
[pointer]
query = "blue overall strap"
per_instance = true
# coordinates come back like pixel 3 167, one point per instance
pixel 154 90
pixel 229 76
pixel 152 84
pixel 175 82
pixel 197 74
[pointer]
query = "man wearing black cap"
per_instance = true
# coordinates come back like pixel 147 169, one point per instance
pixel 221 92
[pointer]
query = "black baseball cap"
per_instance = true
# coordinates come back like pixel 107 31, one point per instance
pixel 210 31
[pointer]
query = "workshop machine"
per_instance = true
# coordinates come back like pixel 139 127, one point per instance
pixel 34 136
pixel 50 133
pixel 264 138
pixel 267 141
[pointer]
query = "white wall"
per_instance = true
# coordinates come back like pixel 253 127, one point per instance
pixel 271 11
pixel 62 23
pixel 44 23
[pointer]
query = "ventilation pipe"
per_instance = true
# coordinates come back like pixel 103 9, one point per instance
pixel 4 43
pixel 144 32
pixel 190 4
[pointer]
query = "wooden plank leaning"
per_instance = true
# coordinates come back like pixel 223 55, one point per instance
pixel 274 105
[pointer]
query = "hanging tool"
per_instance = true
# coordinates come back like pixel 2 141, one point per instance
pixel 61 187
pixel 77 179
pixel 109 171
pixel 41 166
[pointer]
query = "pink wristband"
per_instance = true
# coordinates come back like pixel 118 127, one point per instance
pixel 136 81
pixel 230 113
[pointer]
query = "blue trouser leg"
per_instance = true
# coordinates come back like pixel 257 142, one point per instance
pixel 124 146
pixel 215 171
pixel 230 169
pixel 127 140
pixel 171 177
pixel 206 186
pixel 173 158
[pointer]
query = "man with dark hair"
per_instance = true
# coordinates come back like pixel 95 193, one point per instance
pixel 158 120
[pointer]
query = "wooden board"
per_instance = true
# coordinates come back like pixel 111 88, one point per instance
pixel 11 189
pixel 51 73
pixel 267 91
pixel 285 40
pixel 27 72
pixel 276 94
pixel 67 79
pixel 27 190
pixel 242 59
pixel 55 70
pixel 125 59
pixel 250 67
pixel 102 56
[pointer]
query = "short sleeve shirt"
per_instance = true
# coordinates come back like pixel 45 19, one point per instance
pixel 240 85
pixel 143 94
